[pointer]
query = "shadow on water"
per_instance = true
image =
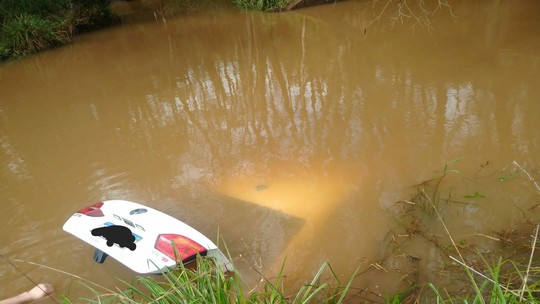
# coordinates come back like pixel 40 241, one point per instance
pixel 254 235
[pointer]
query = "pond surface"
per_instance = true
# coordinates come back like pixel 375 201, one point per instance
pixel 290 135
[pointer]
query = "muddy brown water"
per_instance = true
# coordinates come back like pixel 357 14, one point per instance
pixel 291 135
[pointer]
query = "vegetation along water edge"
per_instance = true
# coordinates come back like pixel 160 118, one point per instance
pixel 30 26
pixel 504 268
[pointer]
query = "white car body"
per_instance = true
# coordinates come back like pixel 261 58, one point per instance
pixel 146 225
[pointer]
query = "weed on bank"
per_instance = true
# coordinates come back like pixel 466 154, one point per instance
pixel 30 26
pixel 506 272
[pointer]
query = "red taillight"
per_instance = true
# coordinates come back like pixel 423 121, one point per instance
pixel 93 210
pixel 186 248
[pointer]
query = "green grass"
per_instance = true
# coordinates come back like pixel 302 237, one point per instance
pixel 482 276
pixel 262 5
pixel 507 272
pixel 207 283
pixel 489 276
pixel 25 34
pixel 29 26
pixel 500 284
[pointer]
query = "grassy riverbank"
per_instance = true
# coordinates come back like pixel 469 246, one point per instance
pixel 263 5
pixel 29 26
pixel 506 271
pixel 209 284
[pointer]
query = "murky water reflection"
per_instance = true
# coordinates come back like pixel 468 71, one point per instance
pixel 292 134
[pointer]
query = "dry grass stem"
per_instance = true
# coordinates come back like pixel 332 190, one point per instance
pixel 482 275
pixel 451 238
pixel 488 237
pixel 526 278
pixel 528 175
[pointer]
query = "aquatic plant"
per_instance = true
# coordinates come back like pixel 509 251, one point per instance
pixel 505 272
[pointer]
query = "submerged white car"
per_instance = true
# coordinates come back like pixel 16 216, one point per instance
pixel 142 238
